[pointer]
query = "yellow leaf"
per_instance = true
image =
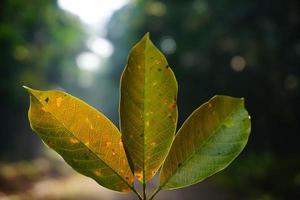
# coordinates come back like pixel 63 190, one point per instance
pixel 208 141
pixel 148 109
pixel 84 137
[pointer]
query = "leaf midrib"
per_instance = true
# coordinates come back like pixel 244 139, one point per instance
pixel 144 94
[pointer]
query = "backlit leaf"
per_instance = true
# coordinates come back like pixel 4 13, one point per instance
pixel 148 110
pixel 84 137
pixel 207 142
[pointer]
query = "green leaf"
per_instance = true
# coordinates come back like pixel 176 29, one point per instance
pixel 208 141
pixel 84 137
pixel 148 109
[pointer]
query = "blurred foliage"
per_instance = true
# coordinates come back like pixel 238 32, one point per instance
pixel 262 176
pixel 38 44
pixel 246 49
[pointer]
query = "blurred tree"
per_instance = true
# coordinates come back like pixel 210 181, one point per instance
pixel 246 49
pixel 38 44
pixel 249 49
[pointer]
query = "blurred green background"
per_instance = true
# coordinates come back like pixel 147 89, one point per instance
pixel 247 48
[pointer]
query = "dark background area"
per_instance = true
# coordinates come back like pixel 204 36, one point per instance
pixel 244 48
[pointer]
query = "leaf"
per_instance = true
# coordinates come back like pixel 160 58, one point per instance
pixel 148 109
pixel 208 141
pixel 84 137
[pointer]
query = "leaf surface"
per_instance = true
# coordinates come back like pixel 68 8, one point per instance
pixel 84 137
pixel 207 142
pixel 148 109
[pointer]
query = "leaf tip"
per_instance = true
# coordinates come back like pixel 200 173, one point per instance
pixel 242 100
pixel 30 90
pixel 27 88
pixel 147 35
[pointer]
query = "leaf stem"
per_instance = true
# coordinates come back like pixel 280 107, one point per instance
pixel 155 193
pixel 137 194
pixel 144 191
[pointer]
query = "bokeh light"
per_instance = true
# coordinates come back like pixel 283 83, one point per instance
pixel 88 61
pixel 168 45
pixel 238 63
pixel 100 46
pixel 92 11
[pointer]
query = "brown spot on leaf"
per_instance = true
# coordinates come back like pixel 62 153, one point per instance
pixel 47 99
pixel 173 106
pixel 139 175
pixel 50 143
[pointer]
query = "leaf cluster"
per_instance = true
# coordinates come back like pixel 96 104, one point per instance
pixel 147 142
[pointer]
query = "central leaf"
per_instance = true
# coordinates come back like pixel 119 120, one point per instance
pixel 148 109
